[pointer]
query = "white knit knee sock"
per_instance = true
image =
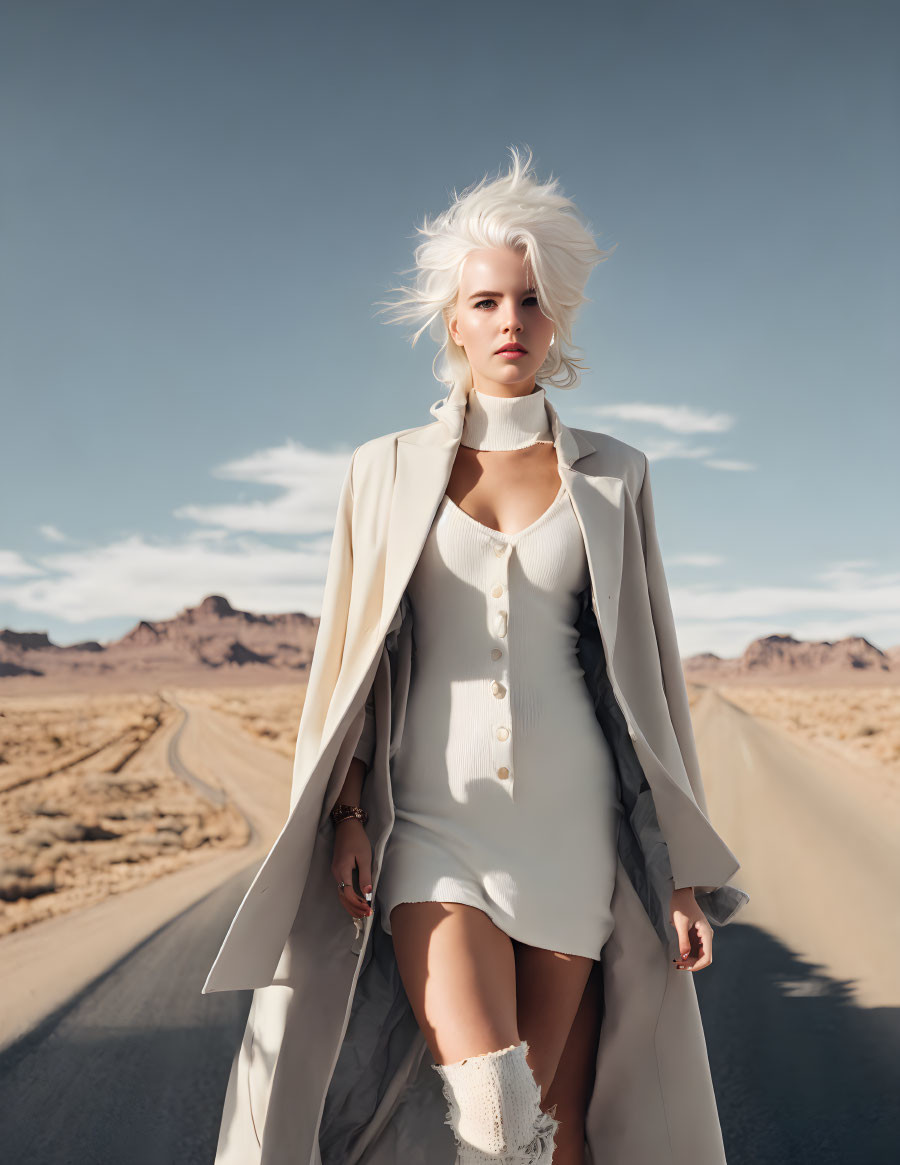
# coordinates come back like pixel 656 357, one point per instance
pixel 494 1109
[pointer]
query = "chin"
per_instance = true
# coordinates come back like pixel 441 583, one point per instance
pixel 517 369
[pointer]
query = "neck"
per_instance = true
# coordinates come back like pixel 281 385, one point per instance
pixel 505 422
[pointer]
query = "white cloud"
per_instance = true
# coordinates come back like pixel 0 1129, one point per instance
pixel 675 418
pixel 847 602
pixel 227 553
pixel 138 579
pixel 52 534
pixel 850 569
pixel 702 560
pixel 844 598
pixel 13 565
pixel 731 466
pixel 308 482
pixel 666 450
pixel 684 420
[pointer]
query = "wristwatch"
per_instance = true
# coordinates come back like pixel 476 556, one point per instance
pixel 341 812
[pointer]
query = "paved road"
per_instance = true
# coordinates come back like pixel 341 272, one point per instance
pixel 133 1071
pixel 802 1004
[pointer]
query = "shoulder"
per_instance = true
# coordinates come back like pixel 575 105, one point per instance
pixel 613 457
pixel 384 445
pixel 381 451
pixel 376 458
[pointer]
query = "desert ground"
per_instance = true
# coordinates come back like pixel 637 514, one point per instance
pixel 858 726
pixel 112 842
pixel 91 806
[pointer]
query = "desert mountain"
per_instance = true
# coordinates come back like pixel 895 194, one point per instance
pixel 213 641
pixel 782 657
pixel 207 638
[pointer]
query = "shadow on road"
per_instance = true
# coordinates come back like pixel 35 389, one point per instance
pixel 801 1074
pixel 135 1068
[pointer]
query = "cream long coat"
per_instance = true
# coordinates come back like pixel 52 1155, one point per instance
pixel 332 1068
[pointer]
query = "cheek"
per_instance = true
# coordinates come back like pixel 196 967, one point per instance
pixel 473 329
pixel 479 331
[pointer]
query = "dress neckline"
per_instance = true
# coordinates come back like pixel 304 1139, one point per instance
pixel 509 537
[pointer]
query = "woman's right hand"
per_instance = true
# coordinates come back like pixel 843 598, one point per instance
pixel 352 849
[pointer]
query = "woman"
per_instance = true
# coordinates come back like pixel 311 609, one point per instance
pixel 522 779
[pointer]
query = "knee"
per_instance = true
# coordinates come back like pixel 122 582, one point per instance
pixel 494 1105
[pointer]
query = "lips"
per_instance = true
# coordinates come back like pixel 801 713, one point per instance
pixel 511 348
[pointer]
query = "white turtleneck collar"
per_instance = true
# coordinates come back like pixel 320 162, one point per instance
pixel 504 422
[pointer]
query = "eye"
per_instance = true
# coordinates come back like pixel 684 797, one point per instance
pixel 528 299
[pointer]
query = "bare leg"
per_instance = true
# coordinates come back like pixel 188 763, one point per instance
pixel 473 990
pixel 573 1082
pixel 459 973
pixel 549 990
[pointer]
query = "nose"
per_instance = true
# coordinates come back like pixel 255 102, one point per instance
pixel 513 323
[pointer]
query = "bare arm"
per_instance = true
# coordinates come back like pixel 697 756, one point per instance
pixel 351 790
pixel 352 849
pixel 361 761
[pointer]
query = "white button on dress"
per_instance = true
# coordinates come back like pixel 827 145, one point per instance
pixel 504 786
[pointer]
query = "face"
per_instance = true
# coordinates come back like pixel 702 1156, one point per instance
pixel 497 306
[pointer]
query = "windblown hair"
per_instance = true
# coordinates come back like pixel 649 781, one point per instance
pixel 516 211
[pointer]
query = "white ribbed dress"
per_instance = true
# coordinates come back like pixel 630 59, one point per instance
pixel 504 785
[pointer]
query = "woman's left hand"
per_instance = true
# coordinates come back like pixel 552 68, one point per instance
pixel 693 930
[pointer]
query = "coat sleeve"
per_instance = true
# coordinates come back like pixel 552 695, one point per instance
pixel 720 902
pixel 669 655
pixel 328 650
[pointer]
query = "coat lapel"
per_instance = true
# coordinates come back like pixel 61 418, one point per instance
pixel 425 458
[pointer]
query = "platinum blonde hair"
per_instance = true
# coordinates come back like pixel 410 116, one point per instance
pixel 517 211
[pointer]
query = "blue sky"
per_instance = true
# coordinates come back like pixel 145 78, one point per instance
pixel 202 203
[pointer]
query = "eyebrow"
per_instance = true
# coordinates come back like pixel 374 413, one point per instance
pixel 499 294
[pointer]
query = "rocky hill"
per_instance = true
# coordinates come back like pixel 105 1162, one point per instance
pixel 211 637
pixel 782 658
pixel 213 641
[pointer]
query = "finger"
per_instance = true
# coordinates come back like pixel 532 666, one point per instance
pixel 345 874
pixel 687 946
pixel 364 862
pixel 701 948
pixel 682 929
pixel 705 945
pixel 363 881
pixel 350 901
